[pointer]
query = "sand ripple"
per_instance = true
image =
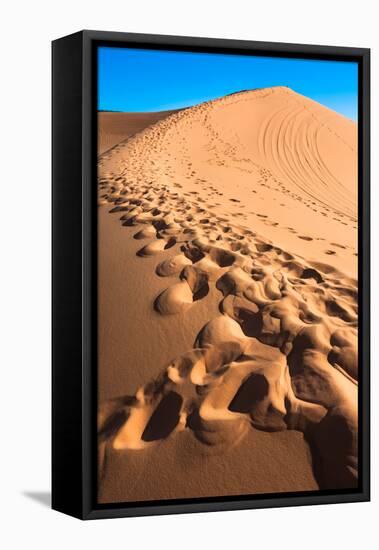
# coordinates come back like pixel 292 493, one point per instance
pixel 282 352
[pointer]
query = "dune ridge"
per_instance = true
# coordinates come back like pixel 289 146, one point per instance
pixel 281 354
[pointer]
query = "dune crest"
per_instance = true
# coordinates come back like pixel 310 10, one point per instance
pixel 203 189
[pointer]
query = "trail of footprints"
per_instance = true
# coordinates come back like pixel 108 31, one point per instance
pixel 281 354
pixel 158 166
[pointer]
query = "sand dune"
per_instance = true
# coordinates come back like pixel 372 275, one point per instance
pixel 115 127
pixel 228 301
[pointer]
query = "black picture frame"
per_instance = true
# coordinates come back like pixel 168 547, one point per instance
pixel 74 294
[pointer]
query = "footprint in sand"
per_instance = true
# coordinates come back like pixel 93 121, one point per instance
pixel 180 296
pixel 278 313
pixel 156 246
pixel 305 238
pixel 146 233
pixel 338 245
pixel 172 266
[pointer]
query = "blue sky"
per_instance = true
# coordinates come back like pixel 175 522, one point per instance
pixel 139 80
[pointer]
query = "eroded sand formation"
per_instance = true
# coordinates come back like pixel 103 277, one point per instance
pixel 253 198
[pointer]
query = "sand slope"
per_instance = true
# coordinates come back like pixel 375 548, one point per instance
pixel 235 229
pixel 115 127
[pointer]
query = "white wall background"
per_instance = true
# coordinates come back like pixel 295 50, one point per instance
pixel 27 29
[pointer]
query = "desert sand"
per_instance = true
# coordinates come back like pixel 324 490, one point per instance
pixel 228 300
pixel 115 127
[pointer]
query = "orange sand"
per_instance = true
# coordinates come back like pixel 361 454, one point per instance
pixel 115 127
pixel 228 300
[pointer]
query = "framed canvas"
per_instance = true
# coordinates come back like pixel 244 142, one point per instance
pixel 210 275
